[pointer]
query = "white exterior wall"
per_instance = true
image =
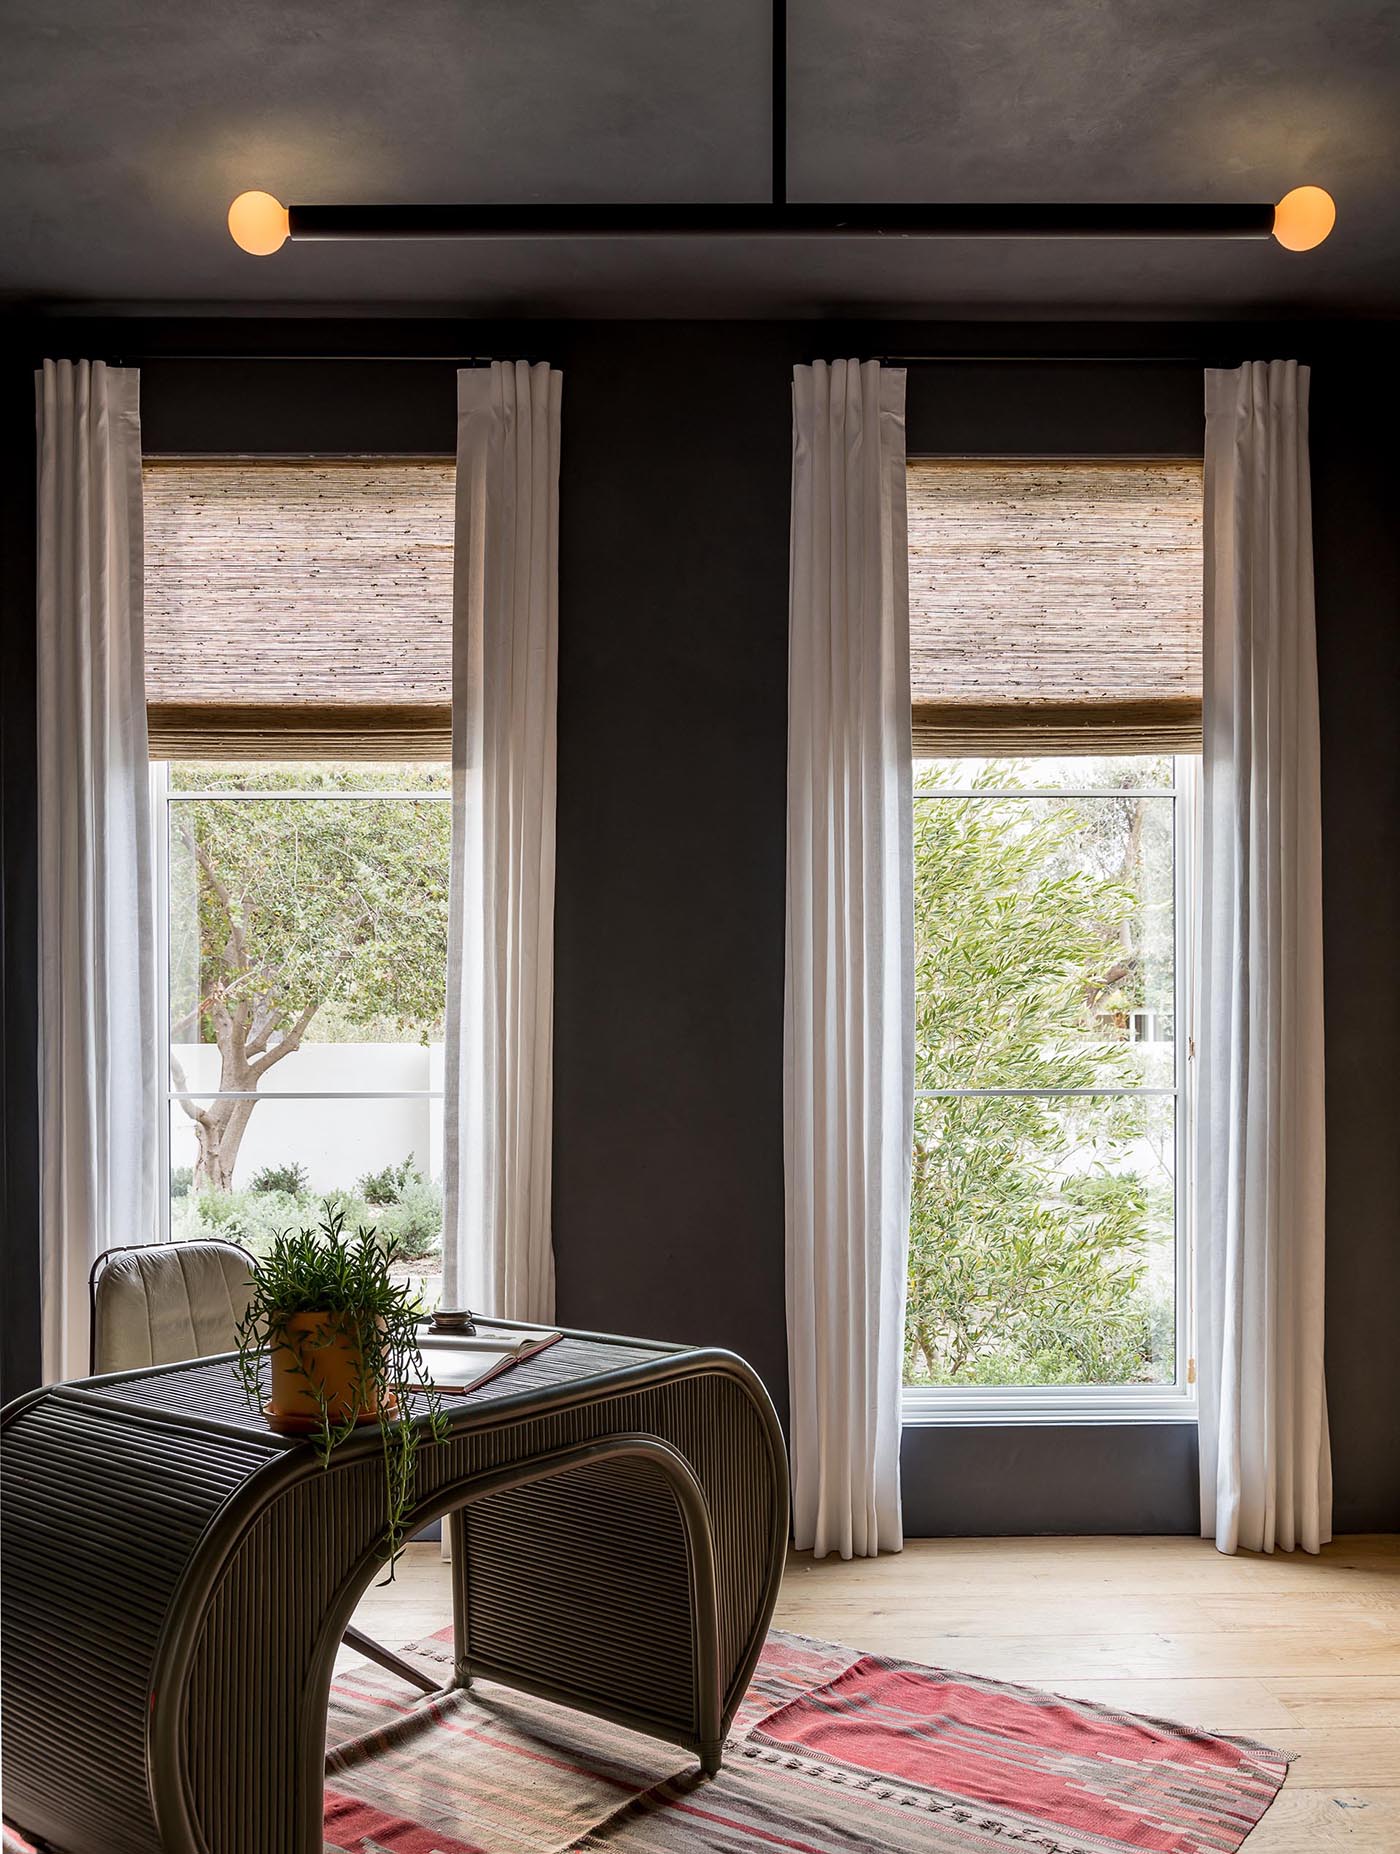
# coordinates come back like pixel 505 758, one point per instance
pixel 336 1141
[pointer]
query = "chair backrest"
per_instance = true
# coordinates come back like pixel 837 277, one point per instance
pixel 160 1303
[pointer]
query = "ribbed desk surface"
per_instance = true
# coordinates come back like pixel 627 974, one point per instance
pixel 210 1389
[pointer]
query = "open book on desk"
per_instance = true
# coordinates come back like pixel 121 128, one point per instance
pixel 455 1364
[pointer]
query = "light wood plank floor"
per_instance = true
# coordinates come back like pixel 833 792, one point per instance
pixel 1303 1653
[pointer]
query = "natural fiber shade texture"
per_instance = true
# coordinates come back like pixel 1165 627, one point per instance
pixel 299 609
pixel 1055 607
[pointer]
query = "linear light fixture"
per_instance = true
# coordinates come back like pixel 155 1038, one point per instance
pixel 261 224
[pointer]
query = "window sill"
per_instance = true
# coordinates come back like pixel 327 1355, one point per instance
pixel 995 1409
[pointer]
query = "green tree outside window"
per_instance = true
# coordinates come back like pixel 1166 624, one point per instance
pixel 1041 1224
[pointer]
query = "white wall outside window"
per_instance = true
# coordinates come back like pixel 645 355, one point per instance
pixel 341 1109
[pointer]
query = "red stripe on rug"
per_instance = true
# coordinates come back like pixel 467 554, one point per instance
pixel 1133 1782
pixel 352 1826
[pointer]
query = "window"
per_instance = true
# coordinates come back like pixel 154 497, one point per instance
pixel 302 827
pixel 1054 878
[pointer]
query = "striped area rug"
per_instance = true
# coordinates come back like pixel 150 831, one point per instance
pixel 833 1752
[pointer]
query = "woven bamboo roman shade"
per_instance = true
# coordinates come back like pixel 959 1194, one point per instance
pixel 1055 607
pixel 299 610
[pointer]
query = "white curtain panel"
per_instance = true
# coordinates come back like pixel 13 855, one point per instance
pixel 99 1087
pixel 498 1254
pixel 1266 1477
pixel 849 1006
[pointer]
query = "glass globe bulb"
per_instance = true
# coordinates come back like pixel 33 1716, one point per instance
pixel 1303 218
pixel 258 223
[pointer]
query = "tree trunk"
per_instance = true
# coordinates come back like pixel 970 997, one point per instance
pixel 219 1127
pixel 243 1011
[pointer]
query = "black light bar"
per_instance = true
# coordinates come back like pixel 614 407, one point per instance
pixel 306 224
pixel 261 224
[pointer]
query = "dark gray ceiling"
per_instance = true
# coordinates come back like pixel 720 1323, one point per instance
pixel 127 127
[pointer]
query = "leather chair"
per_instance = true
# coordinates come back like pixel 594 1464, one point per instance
pixel 162 1303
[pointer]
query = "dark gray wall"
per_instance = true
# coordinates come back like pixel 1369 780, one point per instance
pixel 1356 531
pixel 19 1026
pixel 672 722
pixel 1078 1478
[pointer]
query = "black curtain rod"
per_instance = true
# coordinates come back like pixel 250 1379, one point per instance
pixel 486 360
pixel 453 360
pixel 938 360
pixel 885 360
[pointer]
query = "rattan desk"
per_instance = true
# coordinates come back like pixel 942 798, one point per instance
pixel 177 1579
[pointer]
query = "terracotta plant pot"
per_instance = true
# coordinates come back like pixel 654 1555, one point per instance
pixel 323 1348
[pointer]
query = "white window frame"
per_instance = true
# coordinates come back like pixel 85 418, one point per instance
pixel 990 1405
pixel 162 796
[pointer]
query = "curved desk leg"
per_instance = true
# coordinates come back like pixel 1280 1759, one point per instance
pixel 695 1520
pixel 704 1736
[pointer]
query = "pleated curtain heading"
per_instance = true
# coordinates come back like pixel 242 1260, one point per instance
pixel 1055 607
pixel 299 609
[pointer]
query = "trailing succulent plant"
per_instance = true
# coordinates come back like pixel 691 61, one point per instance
pixel 370 1321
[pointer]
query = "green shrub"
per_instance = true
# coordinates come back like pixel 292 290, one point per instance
pixel 180 1181
pixel 349 1205
pixel 220 1209
pixel 252 1218
pixel 414 1223
pixel 388 1186
pixel 289 1178
pixel 255 1218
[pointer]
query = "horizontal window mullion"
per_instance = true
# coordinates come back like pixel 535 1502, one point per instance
pixel 1050 1094
pixel 322 798
pixel 303 1094
pixel 1155 791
